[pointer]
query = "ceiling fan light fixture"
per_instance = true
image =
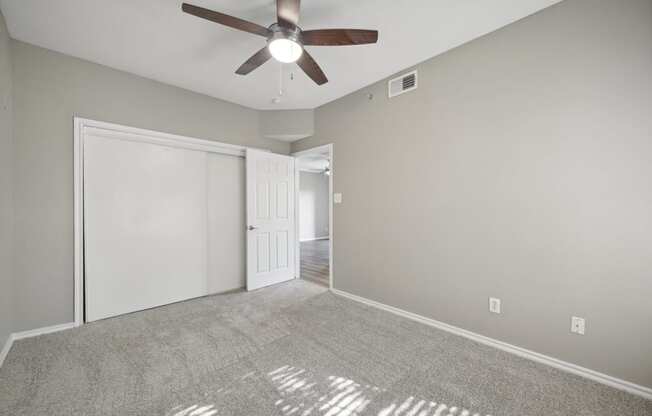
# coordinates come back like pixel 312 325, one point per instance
pixel 285 50
pixel 285 39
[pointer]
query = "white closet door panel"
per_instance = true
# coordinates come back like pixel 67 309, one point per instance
pixel 145 225
pixel 226 223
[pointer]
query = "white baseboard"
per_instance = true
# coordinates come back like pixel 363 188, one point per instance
pixel 42 331
pixel 29 334
pixel 6 348
pixel 617 383
pixel 314 239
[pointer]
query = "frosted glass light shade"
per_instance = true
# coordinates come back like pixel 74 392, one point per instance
pixel 285 50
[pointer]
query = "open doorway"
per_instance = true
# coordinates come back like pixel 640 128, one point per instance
pixel 314 181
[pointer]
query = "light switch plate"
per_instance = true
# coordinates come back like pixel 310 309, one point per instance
pixel 337 198
pixel 494 305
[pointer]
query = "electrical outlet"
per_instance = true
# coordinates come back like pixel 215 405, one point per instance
pixel 578 325
pixel 494 305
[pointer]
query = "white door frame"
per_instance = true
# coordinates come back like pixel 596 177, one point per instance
pixel 320 150
pixel 84 126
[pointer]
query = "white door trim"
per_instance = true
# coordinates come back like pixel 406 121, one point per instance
pixel 320 150
pixel 83 126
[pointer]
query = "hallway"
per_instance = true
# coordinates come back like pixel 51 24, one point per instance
pixel 314 261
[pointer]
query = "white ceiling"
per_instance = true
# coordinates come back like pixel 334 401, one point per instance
pixel 315 161
pixel 154 39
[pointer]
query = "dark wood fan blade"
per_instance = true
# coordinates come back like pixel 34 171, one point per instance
pixel 311 68
pixel 287 12
pixel 226 20
pixel 339 37
pixel 255 61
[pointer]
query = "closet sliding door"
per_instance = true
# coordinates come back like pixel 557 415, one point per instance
pixel 145 225
pixel 226 223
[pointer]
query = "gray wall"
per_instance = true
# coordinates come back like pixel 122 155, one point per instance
pixel 521 168
pixel 6 187
pixel 51 88
pixel 313 206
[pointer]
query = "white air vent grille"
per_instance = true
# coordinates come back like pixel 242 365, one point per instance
pixel 404 83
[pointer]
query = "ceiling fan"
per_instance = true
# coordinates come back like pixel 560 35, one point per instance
pixel 285 39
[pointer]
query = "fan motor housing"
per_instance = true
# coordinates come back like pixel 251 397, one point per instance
pixel 280 32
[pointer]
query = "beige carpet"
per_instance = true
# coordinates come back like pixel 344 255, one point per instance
pixel 293 349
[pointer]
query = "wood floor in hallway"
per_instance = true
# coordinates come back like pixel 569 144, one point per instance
pixel 314 261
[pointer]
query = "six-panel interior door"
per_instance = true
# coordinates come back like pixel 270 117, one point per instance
pixel 270 219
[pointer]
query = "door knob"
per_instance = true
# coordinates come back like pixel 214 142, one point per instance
pixel 251 228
